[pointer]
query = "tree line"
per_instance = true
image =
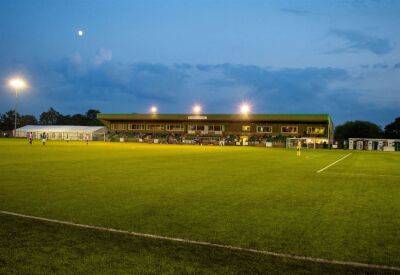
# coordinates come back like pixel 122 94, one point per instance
pixel 50 117
pixel 366 129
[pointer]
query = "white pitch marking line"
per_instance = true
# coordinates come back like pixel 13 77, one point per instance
pixel 333 163
pixel 236 248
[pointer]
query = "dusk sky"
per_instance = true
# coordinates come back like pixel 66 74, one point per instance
pixel 336 57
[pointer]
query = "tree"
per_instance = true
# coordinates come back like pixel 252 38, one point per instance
pixel 7 120
pixel 92 114
pixel 2 124
pixel 51 117
pixel 357 129
pixel 79 119
pixel 392 130
pixel 27 120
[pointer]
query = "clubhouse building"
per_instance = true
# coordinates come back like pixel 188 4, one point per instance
pixel 239 129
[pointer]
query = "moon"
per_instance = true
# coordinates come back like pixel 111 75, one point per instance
pixel 80 33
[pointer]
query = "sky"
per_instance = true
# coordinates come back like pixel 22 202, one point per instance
pixel 335 57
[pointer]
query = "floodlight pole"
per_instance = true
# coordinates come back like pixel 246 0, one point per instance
pixel 15 112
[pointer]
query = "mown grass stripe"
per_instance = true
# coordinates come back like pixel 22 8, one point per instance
pixel 208 244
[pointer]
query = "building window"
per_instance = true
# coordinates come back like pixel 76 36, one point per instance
pixel 175 127
pixel 315 130
pixel 264 129
pixel 136 127
pixel 246 128
pixel 155 127
pixel 118 126
pixel 196 127
pixel 289 129
pixel 215 128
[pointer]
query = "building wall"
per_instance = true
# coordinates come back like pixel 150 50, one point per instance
pixel 304 129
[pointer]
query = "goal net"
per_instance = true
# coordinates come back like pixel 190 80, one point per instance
pixel 292 142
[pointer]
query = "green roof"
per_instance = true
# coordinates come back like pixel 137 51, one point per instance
pixel 217 117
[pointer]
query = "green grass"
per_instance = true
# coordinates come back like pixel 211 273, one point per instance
pixel 34 247
pixel 249 197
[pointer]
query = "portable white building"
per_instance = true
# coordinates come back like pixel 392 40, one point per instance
pixel 63 132
pixel 372 144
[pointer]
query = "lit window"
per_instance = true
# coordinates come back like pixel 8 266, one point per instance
pixel 215 128
pixel 177 127
pixel 136 127
pixel 264 129
pixel 289 129
pixel 315 130
pixel 155 127
pixel 118 126
pixel 196 127
pixel 246 128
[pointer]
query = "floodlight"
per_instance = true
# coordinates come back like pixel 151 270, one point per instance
pixel 153 109
pixel 196 109
pixel 245 108
pixel 17 83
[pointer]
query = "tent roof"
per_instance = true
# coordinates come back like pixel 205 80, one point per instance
pixel 60 128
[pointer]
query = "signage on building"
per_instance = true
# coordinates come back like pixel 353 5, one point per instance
pixel 197 117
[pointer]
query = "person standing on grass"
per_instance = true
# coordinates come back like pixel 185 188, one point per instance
pixel 87 139
pixel 44 136
pixel 30 136
pixel 298 148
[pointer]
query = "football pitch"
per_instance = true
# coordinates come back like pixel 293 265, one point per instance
pixel 326 204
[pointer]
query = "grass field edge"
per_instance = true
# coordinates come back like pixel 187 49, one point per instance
pixel 207 244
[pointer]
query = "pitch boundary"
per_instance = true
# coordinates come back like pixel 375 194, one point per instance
pixel 333 163
pixel 207 244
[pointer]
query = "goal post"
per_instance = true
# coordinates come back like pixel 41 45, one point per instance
pixel 307 142
pixel 292 142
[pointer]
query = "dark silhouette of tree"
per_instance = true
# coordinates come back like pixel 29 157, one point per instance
pixel 92 114
pixel 357 129
pixel 51 117
pixel 79 119
pixel 7 120
pixel 392 130
pixel 27 120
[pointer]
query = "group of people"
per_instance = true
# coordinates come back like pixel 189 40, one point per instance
pixel 44 138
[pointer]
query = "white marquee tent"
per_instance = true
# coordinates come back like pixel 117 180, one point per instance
pixel 63 132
